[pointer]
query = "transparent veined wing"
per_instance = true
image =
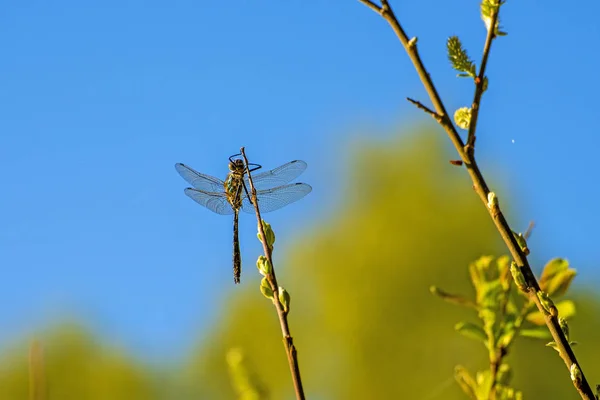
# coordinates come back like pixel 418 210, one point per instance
pixel 277 176
pixel 275 198
pixel 215 202
pixel 200 181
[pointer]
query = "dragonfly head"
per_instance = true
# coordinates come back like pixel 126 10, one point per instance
pixel 236 165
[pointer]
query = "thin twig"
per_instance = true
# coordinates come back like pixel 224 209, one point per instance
pixel 453 298
pixel 495 362
pixel 480 81
pixel 481 188
pixel 371 5
pixel 499 354
pixel 288 341
pixel 428 110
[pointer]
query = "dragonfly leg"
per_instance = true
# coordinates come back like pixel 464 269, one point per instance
pixel 251 166
pixel 247 194
pixel 254 167
pixel 234 156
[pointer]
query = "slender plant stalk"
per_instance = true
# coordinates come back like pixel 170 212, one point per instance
pixel 480 82
pixel 37 381
pixel 468 157
pixel 498 354
pixel 288 341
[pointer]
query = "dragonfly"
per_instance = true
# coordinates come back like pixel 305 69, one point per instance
pixel 231 195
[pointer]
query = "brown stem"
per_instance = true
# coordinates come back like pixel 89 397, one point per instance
pixel 37 381
pixel 480 81
pixel 423 107
pixel 481 188
pixel 494 366
pixel 288 341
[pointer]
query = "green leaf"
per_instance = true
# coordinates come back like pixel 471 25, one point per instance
pixel 553 267
pixel 465 381
pixel 487 8
pixel 459 58
pixel 546 302
pixel 481 272
pixel 518 395
pixel 518 277
pixel 566 310
pixel 484 379
pixel 471 331
pixel 506 335
pixel 508 393
pixel 564 326
pixel 509 320
pixel 265 288
pixel 503 264
pixel 491 294
pixel 536 318
pixel 488 316
pixel 521 242
pixel 504 374
pixel 506 339
pixel 511 307
pixel 537 332
pixel 484 263
pixel 555 347
pixel 268 233
pixel 263 265
pixel 561 282
pixel 557 277
pixel 284 299
pixel 485 84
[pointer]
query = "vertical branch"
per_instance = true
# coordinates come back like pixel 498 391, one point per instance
pixel 466 153
pixel 288 341
pixel 480 81
pixel 37 381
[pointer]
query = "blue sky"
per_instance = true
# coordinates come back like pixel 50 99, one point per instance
pixel 98 100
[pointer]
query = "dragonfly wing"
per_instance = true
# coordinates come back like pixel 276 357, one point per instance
pixel 273 199
pixel 200 181
pixel 215 202
pixel 277 176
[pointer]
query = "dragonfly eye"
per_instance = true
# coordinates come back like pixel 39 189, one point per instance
pixel 239 165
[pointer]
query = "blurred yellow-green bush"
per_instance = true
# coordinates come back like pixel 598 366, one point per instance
pixel 364 322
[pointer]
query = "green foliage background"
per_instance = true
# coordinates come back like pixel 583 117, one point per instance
pixel 364 322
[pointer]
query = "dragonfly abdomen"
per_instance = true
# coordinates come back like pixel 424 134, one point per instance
pixel 237 257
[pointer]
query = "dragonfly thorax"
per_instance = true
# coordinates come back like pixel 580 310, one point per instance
pixel 234 183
